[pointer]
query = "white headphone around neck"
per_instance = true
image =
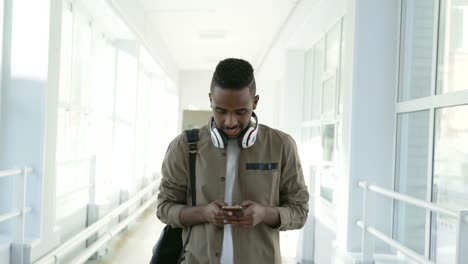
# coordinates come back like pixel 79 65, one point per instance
pixel 246 139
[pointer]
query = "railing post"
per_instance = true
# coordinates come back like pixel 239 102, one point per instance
pixel 92 180
pixel 92 212
pixel 367 220
pixel 19 225
pixel 462 238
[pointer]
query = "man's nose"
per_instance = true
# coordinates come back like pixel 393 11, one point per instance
pixel 230 121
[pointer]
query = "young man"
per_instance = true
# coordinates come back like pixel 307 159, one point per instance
pixel 239 162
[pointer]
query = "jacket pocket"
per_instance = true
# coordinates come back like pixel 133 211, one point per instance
pixel 261 186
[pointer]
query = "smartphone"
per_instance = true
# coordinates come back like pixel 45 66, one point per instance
pixel 232 208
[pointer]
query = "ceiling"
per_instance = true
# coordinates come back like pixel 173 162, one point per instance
pixel 200 33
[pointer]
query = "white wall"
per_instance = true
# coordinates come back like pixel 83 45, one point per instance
pixel 268 108
pixel 134 15
pixel 372 109
pixel 194 87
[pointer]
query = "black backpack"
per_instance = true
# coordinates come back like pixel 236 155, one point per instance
pixel 169 248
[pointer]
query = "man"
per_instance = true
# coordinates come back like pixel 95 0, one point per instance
pixel 239 162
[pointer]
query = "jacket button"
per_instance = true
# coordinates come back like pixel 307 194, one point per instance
pixel 217 254
pixel 223 179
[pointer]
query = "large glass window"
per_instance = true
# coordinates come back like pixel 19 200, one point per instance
pixel 432 136
pixel 416 57
pixel 102 76
pixel 411 178
pixel 125 108
pixel 321 117
pixel 453 47
pixel 450 188
pixel 317 78
pixel 73 159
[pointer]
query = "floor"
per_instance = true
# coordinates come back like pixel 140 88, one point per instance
pixel 136 244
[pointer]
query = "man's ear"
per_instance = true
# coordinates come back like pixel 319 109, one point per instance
pixel 255 101
pixel 211 102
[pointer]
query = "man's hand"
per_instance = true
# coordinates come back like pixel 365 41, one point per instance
pixel 252 215
pixel 213 214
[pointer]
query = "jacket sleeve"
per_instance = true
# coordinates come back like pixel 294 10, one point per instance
pixel 172 196
pixel 294 195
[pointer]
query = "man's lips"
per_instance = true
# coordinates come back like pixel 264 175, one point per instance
pixel 231 132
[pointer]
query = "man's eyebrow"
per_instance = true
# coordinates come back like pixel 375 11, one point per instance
pixel 237 110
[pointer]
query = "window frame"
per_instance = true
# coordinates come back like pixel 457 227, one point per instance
pixel 430 103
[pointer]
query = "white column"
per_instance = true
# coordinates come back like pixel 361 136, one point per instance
pixel 371 30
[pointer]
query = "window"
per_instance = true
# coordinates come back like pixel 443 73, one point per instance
pixel 450 188
pixel 432 136
pixel 321 116
pixel 73 159
pixel 411 177
pixel 416 54
pixel 453 47
pixel 125 110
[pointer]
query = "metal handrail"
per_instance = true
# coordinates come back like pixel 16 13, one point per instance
pixel 15 172
pixel 78 160
pixel 85 255
pixel 74 191
pixel 462 217
pixel 408 199
pixel 10 173
pixel 56 254
pixel 8 216
pixel 393 243
pixel 19 233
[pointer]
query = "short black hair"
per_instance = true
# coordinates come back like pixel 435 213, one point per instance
pixel 234 74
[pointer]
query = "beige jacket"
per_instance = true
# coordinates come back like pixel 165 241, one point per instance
pixel 268 173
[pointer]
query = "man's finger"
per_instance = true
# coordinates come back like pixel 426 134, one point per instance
pixel 246 203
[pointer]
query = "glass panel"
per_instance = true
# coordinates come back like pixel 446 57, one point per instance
pixel 453 47
pixel 81 58
pixel 102 76
pixel 142 125
pixel 319 62
pixel 328 142
pixel 124 153
pixel 450 188
pixel 65 56
pixel 340 75
pixel 62 125
pixel 333 39
pixel 411 178
pixel 328 93
pixel 307 95
pixel 328 173
pixel 416 49
pixel 127 75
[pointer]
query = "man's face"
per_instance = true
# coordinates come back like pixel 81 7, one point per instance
pixel 232 109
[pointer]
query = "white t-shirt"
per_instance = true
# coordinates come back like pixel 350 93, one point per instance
pixel 227 252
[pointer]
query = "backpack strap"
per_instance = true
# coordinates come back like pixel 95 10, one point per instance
pixel 192 138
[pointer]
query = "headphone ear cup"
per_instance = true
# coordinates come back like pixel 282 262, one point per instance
pixel 217 138
pixel 249 137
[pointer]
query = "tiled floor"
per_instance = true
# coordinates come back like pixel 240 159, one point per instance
pixel 135 245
